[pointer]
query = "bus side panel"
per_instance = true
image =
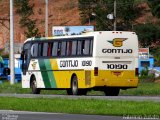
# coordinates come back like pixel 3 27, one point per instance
pixel 53 77
pixel 63 78
pixel 26 80
pixel 63 72
pixel 47 73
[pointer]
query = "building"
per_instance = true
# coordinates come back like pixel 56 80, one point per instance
pixel 17 48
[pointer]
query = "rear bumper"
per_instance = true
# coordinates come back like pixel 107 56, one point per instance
pixel 123 79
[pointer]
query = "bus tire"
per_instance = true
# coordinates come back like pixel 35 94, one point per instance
pixel 74 86
pixel 34 88
pixel 109 91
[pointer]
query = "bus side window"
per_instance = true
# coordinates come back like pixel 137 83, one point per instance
pixel 91 47
pixel 74 47
pixel 55 49
pixel 79 50
pixel 40 49
pixel 34 50
pixel 86 47
pixel 45 48
pixel 69 48
pixel 59 49
pixel 27 46
pixel 49 52
pixel 63 48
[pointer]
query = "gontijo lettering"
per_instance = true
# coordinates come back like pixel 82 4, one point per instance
pixel 69 63
pixel 117 51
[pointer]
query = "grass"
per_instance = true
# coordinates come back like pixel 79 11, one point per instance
pixel 83 106
pixel 17 89
pixel 144 89
pixel 80 106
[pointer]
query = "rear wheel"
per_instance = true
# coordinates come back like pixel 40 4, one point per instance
pixel 111 91
pixel 34 88
pixel 74 87
pixel 74 90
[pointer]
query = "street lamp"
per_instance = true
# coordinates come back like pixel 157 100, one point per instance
pixel 109 16
pixel 11 45
pixel 115 19
pixel 94 14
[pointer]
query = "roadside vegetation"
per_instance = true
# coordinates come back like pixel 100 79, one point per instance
pixel 146 87
pixel 84 106
pixel 81 106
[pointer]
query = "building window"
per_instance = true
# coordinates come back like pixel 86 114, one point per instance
pixel 145 63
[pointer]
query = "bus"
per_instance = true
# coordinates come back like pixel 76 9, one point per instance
pixel 102 60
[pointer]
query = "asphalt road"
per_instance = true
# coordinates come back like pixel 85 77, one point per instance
pixel 132 98
pixel 25 115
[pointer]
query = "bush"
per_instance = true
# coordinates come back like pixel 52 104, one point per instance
pixel 148 34
pixel 146 76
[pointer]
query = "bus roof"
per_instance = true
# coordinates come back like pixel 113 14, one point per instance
pixel 88 34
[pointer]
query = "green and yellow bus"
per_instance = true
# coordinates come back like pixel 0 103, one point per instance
pixel 102 60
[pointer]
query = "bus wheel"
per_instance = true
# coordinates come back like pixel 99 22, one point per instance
pixel 74 87
pixel 34 88
pixel 111 91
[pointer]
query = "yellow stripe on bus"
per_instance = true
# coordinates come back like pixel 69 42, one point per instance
pixel 86 79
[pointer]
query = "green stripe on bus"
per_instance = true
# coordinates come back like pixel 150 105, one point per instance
pixel 50 73
pixel 44 73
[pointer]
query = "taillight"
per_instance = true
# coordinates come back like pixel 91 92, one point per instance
pixel 136 72
pixel 95 71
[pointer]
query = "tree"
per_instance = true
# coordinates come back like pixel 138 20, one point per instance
pixel 25 10
pixel 104 8
pixel 148 35
pixel 155 7
pixel 86 8
pixel 126 13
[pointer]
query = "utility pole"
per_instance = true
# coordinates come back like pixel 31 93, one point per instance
pixel 46 19
pixel 115 19
pixel 12 75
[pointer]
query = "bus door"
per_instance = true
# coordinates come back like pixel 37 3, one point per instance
pixel 25 56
